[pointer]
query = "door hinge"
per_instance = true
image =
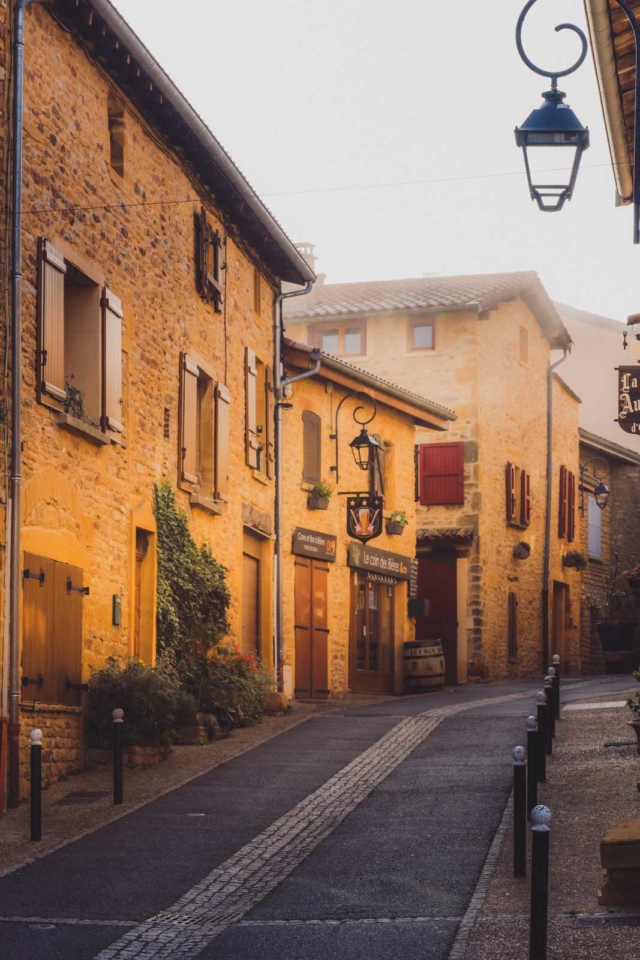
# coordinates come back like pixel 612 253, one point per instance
pixel 30 682
pixel 71 586
pixel 76 686
pixel 28 574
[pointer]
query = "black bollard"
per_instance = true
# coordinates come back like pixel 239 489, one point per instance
pixel 540 831
pixel 551 672
pixel 556 664
pixel 117 755
pixel 541 758
pixel 532 765
pixel 519 811
pixel 548 689
pixel 36 784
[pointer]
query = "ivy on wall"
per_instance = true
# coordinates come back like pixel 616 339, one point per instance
pixel 193 596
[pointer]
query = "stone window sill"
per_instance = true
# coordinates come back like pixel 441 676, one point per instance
pixel 217 507
pixel 260 477
pixel 82 429
pixel 307 487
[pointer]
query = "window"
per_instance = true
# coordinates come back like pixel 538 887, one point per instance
pixel 204 432
pixel 422 335
pixel 340 340
pixel 312 450
pixel 257 298
pixel 80 343
pixel 441 473
pixel 258 388
pixel 210 262
pixel 567 505
pixel 115 112
pixel 518 496
pixel 52 598
pixel 524 345
pixel 512 626
pixel 594 541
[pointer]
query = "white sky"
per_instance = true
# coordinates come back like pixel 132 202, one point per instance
pixel 316 100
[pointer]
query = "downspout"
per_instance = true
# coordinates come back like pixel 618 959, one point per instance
pixel 279 384
pixel 547 530
pixel 13 740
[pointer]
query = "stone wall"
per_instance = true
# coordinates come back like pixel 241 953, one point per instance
pixel 62 742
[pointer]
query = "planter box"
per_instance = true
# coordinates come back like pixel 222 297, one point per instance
pixel 395 529
pixel 317 503
pixel 616 637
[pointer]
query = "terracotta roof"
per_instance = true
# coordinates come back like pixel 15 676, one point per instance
pixel 615 450
pixel 477 292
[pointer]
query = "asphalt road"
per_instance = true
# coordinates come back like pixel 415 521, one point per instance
pixel 392 879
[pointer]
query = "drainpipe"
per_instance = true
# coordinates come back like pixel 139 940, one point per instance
pixel 16 412
pixel 547 530
pixel 279 383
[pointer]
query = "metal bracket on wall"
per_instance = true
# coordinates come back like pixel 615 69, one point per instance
pixel 30 682
pixel 70 587
pixel 32 575
pixel 76 686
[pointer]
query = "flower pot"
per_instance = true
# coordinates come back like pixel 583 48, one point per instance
pixel 636 726
pixel 317 503
pixel 616 637
pixel 394 529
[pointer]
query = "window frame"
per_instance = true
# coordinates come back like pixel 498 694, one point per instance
pixel 518 496
pixel 421 322
pixel 210 283
pixel 211 482
pixel 594 509
pixel 318 330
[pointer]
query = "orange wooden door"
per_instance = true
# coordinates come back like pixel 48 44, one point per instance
pixel 311 631
pixel 250 605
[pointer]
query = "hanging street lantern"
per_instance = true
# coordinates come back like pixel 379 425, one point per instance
pixel 593 473
pixel 553 128
pixel 364 448
pixel 601 495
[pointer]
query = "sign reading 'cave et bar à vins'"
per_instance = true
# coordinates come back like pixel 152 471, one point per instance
pixel 629 399
pixel 311 543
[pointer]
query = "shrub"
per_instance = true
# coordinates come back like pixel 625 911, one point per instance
pixel 322 490
pixel 153 704
pixel 228 684
pixel 575 559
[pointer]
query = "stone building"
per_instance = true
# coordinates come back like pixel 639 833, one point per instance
pixel 482 346
pixel 346 604
pixel 150 271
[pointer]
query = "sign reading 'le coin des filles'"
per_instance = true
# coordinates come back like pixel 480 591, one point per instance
pixel 310 543
pixel 629 398
pixel 379 561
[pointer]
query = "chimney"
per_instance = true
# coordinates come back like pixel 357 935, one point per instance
pixel 307 252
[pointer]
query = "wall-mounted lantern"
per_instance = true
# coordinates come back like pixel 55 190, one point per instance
pixel 364 447
pixel 593 482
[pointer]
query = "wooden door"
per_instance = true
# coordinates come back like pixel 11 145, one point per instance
pixel 250 605
pixel 437 583
pixel 372 636
pixel 311 631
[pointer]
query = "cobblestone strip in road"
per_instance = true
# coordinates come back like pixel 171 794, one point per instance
pixel 226 894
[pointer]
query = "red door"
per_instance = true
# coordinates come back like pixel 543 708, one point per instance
pixel 437 584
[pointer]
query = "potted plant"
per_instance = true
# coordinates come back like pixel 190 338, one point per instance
pixel 575 560
pixel 632 577
pixel 634 705
pixel 319 496
pixel 616 634
pixel 396 523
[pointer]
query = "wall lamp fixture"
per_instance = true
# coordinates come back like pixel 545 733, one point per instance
pixel 593 482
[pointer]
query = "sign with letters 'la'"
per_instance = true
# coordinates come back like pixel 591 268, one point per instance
pixel 629 398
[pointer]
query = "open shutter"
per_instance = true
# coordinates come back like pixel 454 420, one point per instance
pixel 51 320
pixel 223 420
pixel 111 361
pixel 67 634
pixel 510 492
pixel 37 614
pixel 311 447
pixel 202 243
pixel 441 473
pixel 416 473
pixel 251 429
pixel 562 503
pixel 525 498
pixel 269 447
pixel 215 281
pixel 571 506
pixel 189 421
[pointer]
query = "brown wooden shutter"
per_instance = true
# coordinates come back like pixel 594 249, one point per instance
pixel 216 281
pixel 269 448
pixel 202 243
pixel 67 633
pixel 251 377
pixel 571 506
pixel 510 492
pixel 111 361
pixel 52 269
pixel 525 498
pixel 223 423
pixel 441 473
pixel 189 421
pixel 312 449
pixel 37 616
pixel 512 626
pixel 562 503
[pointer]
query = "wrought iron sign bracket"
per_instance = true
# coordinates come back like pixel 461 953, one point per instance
pixel 636 125
pixel 71 586
pixel 335 435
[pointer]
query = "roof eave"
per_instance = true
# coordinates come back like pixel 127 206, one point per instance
pixel 614 450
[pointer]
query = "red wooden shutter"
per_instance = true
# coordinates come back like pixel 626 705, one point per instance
pixel 251 377
pixel 416 473
pixel 223 411
pixel 52 269
pixel 441 473
pixel 562 503
pixel 111 361
pixel 510 492
pixel 189 421
pixel 525 498
pixel 571 506
pixel 269 448
pixel 512 626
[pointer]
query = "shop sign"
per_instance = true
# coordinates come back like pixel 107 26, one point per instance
pixel 379 561
pixel 413 580
pixel 629 399
pixel 310 543
pixel 364 517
